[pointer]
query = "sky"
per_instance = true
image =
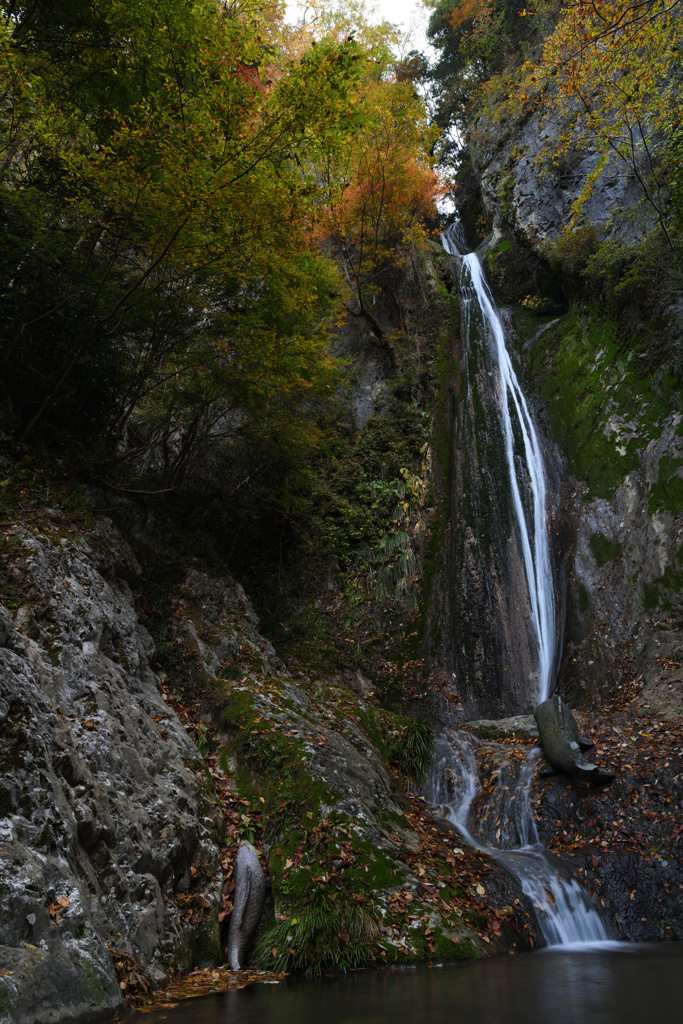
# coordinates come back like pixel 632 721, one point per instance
pixel 410 14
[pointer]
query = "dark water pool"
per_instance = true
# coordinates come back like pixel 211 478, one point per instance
pixel 631 984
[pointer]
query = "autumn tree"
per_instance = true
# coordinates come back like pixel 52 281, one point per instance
pixel 378 199
pixel 610 76
pixel 378 192
pixel 474 40
pixel 161 277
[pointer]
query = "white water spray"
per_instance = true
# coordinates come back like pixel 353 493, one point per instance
pixel 515 419
pixel 566 916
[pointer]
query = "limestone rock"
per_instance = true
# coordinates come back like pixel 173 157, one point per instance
pixel 98 804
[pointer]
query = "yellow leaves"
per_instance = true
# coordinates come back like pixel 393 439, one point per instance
pixel 607 77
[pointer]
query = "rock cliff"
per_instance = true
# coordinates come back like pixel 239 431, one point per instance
pixel 590 355
pixel 105 810
pixel 117 836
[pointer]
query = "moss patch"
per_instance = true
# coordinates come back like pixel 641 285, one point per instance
pixel 666 494
pixel 602 411
pixel 659 594
pixel 604 550
pixel 272 766
pixel 518 277
pixel 207 944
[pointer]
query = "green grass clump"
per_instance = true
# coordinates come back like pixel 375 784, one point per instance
pixel 331 933
pixel 413 750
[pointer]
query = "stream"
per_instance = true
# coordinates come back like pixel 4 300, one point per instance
pixel 624 985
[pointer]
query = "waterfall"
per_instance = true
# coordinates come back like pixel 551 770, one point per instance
pixel 565 913
pixel 527 473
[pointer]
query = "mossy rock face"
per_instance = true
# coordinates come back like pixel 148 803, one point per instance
pixel 604 550
pixel 663 594
pixel 666 495
pixel 518 277
pixel 206 947
pixel 601 409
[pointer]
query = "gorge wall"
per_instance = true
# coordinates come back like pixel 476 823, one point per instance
pixel 607 397
pixel 118 832
pixel 118 835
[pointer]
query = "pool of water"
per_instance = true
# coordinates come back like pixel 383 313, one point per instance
pixel 616 984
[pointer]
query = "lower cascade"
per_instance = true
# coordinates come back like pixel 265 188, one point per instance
pixel 507 830
pixel 566 915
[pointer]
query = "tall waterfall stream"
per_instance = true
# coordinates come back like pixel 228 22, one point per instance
pixel 507 830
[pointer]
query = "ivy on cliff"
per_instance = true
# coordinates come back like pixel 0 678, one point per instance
pixel 609 76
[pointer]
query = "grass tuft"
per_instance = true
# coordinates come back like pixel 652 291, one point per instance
pixel 332 933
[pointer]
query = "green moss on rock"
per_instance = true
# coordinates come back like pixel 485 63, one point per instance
pixel 659 594
pixel 207 943
pixel 602 411
pixel 666 494
pixel 604 550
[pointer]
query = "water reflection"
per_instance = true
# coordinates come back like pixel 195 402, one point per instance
pixel 624 985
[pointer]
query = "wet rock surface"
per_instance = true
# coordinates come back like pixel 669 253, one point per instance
pixel 623 840
pixel 478 628
pixel 520 726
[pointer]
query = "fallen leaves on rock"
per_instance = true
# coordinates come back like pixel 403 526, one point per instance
pixel 58 908
pixel 204 983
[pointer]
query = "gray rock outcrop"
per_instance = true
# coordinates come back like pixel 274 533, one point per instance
pixel 563 745
pixel 101 816
pixel 526 182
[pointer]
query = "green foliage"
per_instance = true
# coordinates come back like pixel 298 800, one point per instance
pixel 332 932
pixel 200 736
pixel 475 40
pixel 413 750
pixel 159 263
pixel 672 173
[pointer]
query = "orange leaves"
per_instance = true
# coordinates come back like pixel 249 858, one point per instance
pixel 58 908
pixel 466 11
pixel 378 190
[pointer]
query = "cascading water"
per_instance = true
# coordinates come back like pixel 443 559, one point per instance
pixel 531 522
pixel 566 915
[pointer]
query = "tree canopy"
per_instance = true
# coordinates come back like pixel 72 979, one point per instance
pixel 162 203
